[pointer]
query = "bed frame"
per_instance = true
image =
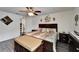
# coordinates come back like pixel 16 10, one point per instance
pixel 47 46
pixel 55 26
pixel 44 47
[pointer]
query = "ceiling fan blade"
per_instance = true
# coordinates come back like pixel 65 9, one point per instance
pixel 38 11
pixel 22 11
pixel 30 10
pixel 35 14
pixel 27 7
pixel 31 7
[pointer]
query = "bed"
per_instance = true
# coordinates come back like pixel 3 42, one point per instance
pixel 43 40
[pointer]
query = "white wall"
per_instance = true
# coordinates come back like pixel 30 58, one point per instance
pixel 76 11
pixel 63 19
pixel 9 31
pixel 28 25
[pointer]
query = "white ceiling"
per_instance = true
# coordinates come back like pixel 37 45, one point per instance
pixel 44 10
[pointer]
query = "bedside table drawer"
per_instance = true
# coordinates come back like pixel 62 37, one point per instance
pixel 63 37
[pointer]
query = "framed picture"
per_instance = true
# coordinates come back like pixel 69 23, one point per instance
pixel 6 20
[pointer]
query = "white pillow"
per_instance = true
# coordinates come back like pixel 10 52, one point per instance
pixel 51 30
pixel 47 30
pixel 44 30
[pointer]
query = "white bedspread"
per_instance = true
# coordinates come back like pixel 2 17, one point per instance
pixel 45 36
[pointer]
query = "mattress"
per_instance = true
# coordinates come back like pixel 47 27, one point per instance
pixel 29 42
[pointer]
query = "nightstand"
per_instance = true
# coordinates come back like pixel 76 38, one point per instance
pixel 63 37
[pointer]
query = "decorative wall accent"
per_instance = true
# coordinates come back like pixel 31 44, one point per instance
pixel 76 20
pixel 53 18
pixel 20 29
pixel 47 19
pixel 6 20
pixel 41 20
pixel 22 26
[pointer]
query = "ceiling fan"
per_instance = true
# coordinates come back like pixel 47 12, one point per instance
pixel 30 11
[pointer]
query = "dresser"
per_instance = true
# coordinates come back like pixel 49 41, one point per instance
pixel 74 42
pixel 63 37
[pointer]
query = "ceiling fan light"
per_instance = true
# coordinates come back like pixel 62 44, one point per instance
pixel 30 14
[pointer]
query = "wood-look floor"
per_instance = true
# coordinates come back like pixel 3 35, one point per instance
pixel 8 46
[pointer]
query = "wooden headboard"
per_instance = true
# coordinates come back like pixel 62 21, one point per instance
pixel 49 26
